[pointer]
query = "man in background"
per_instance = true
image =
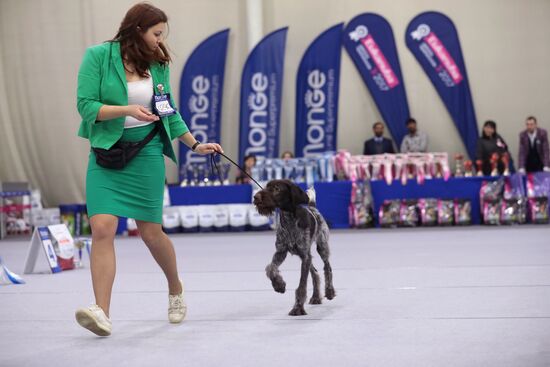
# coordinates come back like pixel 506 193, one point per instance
pixel 378 144
pixel 415 141
pixel 533 148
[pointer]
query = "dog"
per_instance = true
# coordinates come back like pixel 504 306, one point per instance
pixel 300 223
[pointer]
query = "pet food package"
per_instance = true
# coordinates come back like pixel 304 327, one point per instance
pixel 132 227
pixel 360 208
pixel 445 212
pixel 189 217
pixel 491 190
pixel 513 211
pixel 538 210
pixel 491 212
pixel 171 222
pixel 408 213
pixel 238 217
pixel 463 212
pixel 428 212
pixel 221 218
pixel 388 215
pixel 257 222
pixel 206 218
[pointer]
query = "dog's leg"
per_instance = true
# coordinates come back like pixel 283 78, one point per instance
pixel 301 291
pixel 324 252
pixel 272 271
pixel 316 297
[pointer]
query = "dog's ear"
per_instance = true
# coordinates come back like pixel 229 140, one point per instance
pixel 298 195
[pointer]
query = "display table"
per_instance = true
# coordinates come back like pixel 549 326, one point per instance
pixel 333 197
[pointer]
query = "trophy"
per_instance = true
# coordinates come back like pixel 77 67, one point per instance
pixel 269 169
pixel 300 172
pixel 375 170
pixel 479 168
pixel 459 168
pixel 468 168
pixel 505 161
pixel 183 175
pixel 287 169
pixel 194 174
pixel 224 171
pixel 201 177
pixel 494 164
pixel 79 244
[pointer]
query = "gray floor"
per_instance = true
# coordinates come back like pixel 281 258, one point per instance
pixel 408 297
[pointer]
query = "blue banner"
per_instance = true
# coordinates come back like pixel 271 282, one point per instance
pixel 368 38
pixel 433 40
pixel 261 89
pixel 317 86
pixel 201 90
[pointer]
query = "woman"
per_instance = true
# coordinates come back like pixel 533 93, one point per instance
pixel 249 162
pixel 117 82
pixel 287 155
pixel 490 142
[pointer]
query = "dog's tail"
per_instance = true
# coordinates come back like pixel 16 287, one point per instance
pixel 312 197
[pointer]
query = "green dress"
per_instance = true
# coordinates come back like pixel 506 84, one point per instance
pixel 137 190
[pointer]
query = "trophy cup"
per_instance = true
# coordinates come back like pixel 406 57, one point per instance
pixel 300 172
pixel 183 173
pixel 468 168
pixel 194 174
pixel 224 171
pixel 201 179
pixel 506 162
pixel 459 167
pixel 494 164
pixel 79 244
pixel 375 170
pixel 287 169
pixel 479 168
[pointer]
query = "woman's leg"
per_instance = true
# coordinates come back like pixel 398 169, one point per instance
pixel 163 251
pixel 102 259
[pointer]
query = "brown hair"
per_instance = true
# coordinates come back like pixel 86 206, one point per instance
pixel 531 118
pixel 133 48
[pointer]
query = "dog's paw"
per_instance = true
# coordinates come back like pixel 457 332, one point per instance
pixel 279 285
pixel 297 311
pixel 315 301
pixel 330 293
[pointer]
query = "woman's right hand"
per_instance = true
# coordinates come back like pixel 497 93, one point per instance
pixel 141 113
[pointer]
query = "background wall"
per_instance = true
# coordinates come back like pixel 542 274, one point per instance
pixel 505 43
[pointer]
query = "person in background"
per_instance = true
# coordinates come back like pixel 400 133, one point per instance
pixel 249 162
pixel 378 144
pixel 533 148
pixel 287 155
pixel 491 142
pixel 415 141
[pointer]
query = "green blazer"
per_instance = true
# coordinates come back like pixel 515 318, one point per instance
pixel 101 80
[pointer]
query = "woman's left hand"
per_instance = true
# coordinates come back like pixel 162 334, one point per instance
pixel 208 148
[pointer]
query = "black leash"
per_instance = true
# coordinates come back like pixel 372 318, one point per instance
pixel 214 164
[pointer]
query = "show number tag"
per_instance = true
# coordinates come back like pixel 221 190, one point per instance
pixel 162 105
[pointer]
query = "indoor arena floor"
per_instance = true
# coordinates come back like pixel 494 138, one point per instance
pixel 474 296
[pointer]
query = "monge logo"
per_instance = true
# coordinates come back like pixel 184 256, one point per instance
pixel 258 103
pixel 422 31
pixel 359 33
pixel 315 101
pixel 199 105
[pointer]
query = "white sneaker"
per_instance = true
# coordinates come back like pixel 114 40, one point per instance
pixel 94 319
pixel 177 309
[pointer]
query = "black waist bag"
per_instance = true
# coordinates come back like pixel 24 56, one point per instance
pixel 122 152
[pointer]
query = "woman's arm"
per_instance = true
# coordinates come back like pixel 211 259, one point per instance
pixel 140 113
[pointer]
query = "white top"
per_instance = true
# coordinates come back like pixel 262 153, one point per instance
pixel 139 92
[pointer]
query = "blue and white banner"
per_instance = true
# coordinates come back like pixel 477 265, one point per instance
pixel 317 86
pixel 369 40
pixel 201 90
pixel 261 90
pixel 433 40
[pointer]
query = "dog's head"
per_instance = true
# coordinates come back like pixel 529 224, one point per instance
pixel 282 194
